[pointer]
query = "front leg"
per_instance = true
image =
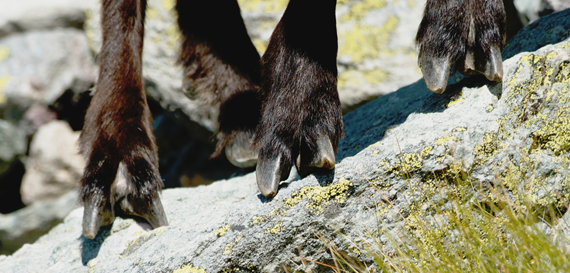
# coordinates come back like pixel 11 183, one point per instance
pixel 301 121
pixel 463 35
pixel 222 68
pixel 121 176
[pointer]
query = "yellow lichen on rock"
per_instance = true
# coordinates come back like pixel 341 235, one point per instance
pixel 222 231
pixel 275 229
pixel 189 269
pixel 319 196
pixel 3 81
pixel 4 53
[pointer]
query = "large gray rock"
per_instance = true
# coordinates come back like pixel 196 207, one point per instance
pixel 54 165
pixel 25 226
pixel 37 67
pixel 406 147
pixel 12 144
pixel 25 15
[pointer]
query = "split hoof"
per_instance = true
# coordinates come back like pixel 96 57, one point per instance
pixel 96 213
pixel 270 171
pixel 240 151
pixel 322 157
pixel 436 71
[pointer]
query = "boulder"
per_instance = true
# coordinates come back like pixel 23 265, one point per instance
pixel 37 67
pixel 25 15
pixel 54 165
pixel 411 146
pixel 13 144
pixel 25 226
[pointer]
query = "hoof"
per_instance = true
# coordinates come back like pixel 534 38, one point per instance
pixel 321 157
pixel 240 152
pixel 270 171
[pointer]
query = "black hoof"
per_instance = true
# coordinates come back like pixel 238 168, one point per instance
pixel 97 212
pixel 151 210
pixel 477 62
pixel 436 71
pixel 270 171
pixel 125 197
pixel 320 157
pixel 240 151
pixel 463 36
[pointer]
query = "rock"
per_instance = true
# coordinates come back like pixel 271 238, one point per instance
pixel 25 15
pixel 12 144
pixel 26 225
pixel 37 67
pixel 13 147
pixel 408 146
pixel 54 166
pixel 534 9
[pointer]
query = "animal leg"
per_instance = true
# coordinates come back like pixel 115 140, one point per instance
pixel 466 36
pixel 301 120
pixel 222 67
pixel 121 176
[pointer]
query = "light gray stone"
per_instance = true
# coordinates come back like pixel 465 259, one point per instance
pixel 54 166
pixel 25 15
pixel 12 144
pixel 408 147
pixel 36 67
pixel 25 226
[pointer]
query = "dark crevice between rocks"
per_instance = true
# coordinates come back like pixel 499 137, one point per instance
pixel 10 181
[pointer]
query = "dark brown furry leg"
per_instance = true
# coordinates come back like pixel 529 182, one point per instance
pixel 222 67
pixel 301 119
pixel 121 176
pixel 463 35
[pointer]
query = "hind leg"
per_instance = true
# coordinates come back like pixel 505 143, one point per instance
pixel 121 176
pixel 466 36
pixel 301 121
pixel 222 67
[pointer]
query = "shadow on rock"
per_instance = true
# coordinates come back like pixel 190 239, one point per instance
pixel 90 248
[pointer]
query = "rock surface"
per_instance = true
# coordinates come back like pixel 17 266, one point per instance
pixel 405 147
pixel 54 166
pixel 25 15
pixel 35 71
pixel 12 144
pixel 26 225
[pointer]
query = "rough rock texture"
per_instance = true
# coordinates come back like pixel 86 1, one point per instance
pixel 37 67
pixel 12 144
pixel 24 15
pixel 407 147
pixel 534 9
pixel 26 225
pixel 54 165
pixel 12 148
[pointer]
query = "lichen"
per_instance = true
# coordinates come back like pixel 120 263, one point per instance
pixel 4 53
pixel 457 100
pixel 222 231
pixel 189 269
pixel 229 246
pixel 318 196
pixel 3 81
pixel 275 229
